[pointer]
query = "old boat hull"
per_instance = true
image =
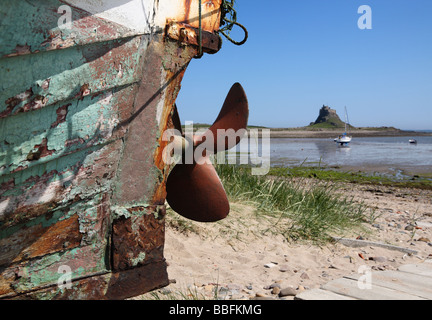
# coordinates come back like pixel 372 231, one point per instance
pixel 83 103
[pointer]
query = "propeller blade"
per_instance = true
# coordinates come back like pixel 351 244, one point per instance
pixel 233 117
pixel 196 192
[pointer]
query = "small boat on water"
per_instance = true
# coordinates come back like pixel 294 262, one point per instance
pixel 86 90
pixel 344 139
pixel 412 141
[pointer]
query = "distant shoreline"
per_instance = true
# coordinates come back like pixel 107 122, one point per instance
pixel 326 133
pixel 333 133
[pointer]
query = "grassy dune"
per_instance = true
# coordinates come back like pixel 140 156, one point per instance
pixel 310 211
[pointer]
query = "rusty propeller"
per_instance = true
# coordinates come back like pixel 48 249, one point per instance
pixel 195 190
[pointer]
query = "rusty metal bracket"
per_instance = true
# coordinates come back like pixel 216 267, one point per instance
pixel 187 35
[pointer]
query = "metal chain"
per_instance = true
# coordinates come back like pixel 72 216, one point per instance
pixel 229 19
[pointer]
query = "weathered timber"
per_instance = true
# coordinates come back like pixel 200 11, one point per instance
pixel 82 111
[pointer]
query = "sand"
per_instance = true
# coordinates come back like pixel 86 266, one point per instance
pixel 236 260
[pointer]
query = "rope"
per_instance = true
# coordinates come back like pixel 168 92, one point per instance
pixel 200 53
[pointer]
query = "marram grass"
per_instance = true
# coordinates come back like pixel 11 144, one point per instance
pixel 304 210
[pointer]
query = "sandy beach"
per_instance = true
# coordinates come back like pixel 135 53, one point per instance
pixel 236 259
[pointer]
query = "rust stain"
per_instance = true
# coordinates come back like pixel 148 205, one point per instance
pixel 37 103
pixel 175 63
pixel 61 115
pixel 103 216
pixel 86 289
pixel 188 35
pixel 56 41
pixel 33 242
pixel 49 39
pixel 12 102
pixel 20 168
pixel 84 91
pixel 75 141
pixel 38 241
pixel 159 195
pixel 130 283
pixel 210 14
pixel 8 185
pixel 187 6
pixel 28 212
pixel 138 240
pixel 40 152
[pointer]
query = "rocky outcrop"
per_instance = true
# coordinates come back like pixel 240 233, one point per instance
pixel 329 118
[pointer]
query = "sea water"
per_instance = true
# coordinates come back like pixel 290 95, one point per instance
pixel 372 153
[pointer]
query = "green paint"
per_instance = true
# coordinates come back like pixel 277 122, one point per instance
pixel 43 221
pixel 67 71
pixel 123 212
pixel 139 259
pixel 120 212
pixel 83 122
pixel 38 21
pixel 31 16
pixel 64 166
pixel 89 119
pixel 45 271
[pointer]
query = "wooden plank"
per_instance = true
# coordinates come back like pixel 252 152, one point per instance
pixel 401 281
pixel 319 294
pixel 420 269
pixel 39 30
pixel 37 240
pixel 349 287
pixel 354 243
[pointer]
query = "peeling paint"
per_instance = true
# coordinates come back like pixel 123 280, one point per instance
pixel 61 115
pixel 39 151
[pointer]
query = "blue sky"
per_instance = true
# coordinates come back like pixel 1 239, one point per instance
pixel 305 53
